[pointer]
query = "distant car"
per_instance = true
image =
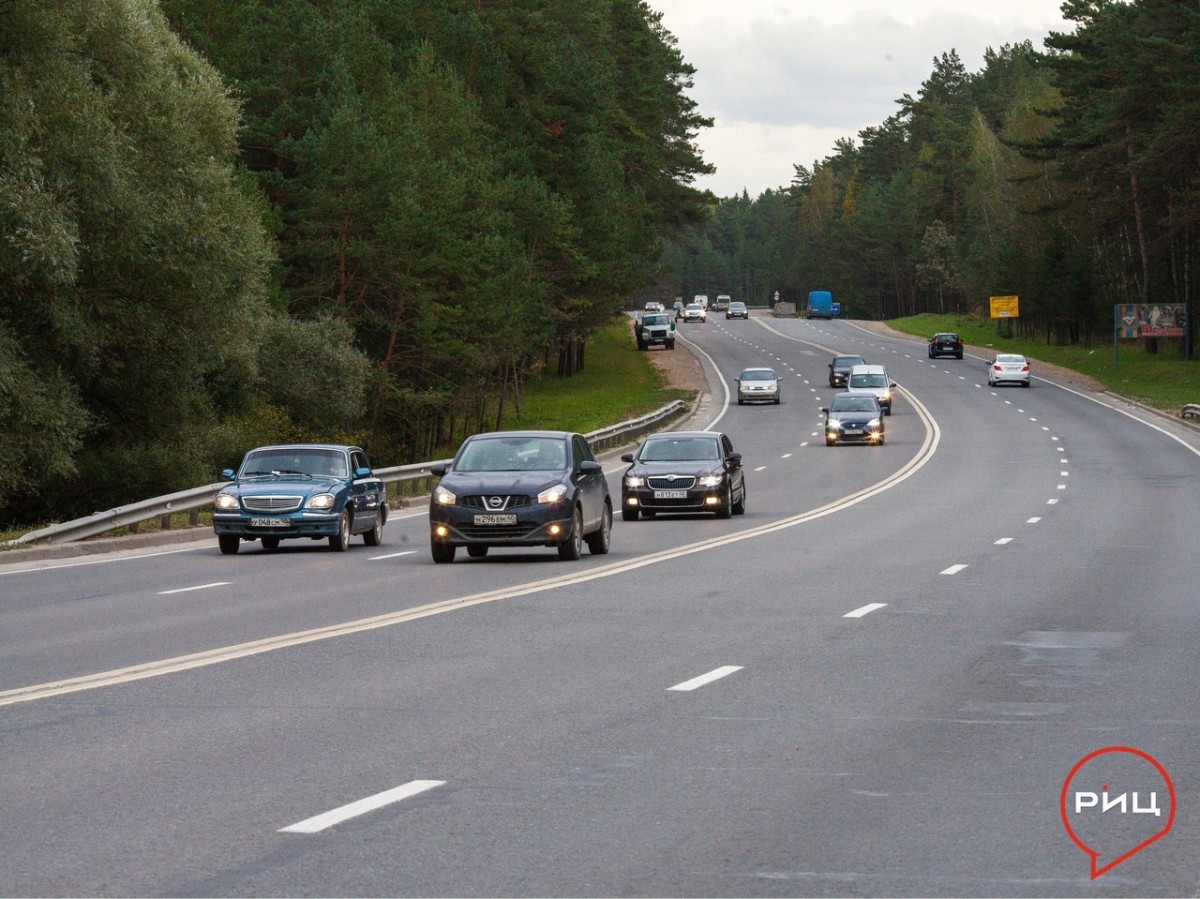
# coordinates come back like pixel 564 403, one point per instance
pixel 683 471
pixel 520 488
pixel 873 380
pixel 839 369
pixel 853 418
pixel 654 306
pixel 737 309
pixel 758 385
pixel 655 329
pixel 945 344
pixel 300 490
pixel 694 312
pixel 1009 368
pixel 721 303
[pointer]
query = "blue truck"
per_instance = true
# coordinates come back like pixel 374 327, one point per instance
pixel 820 305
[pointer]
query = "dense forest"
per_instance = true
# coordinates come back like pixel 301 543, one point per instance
pixel 1068 177
pixel 232 222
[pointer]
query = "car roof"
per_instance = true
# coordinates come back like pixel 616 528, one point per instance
pixel 849 356
pixel 342 447
pixel 945 334
pixel 560 434
pixel 759 368
pixel 854 396
pixel 674 434
pixel 863 369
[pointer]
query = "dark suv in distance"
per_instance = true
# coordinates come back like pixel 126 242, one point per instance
pixel 946 344
pixel 839 369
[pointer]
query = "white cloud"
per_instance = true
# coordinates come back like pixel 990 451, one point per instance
pixel 785 80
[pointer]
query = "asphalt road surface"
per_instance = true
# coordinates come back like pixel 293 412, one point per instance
pixel 876 682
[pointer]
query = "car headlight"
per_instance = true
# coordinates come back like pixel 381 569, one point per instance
pixel 635 481
pixel 886 395
pixel 320 501
pixel 873 423
pixel 226 502
pixel 712 480
pixel 444 497
pixel 553 495
pixel 833 424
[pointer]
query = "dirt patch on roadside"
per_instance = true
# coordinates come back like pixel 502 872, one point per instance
pixel 680 369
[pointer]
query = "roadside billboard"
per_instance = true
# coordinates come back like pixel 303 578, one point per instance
pixel 1004 307
pixel 1133 320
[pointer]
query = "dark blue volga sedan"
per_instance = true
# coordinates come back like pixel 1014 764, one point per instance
pixel 301 490
pixel 853 418
pixel 520 488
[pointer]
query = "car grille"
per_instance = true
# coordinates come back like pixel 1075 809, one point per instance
pixel 271 503
pixel 677 482
pixel 497 532
pixel 513 501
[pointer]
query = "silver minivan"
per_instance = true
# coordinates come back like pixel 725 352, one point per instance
pixel 872 379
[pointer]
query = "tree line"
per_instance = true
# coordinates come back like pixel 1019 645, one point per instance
pixel 1067 177
pixel 233 222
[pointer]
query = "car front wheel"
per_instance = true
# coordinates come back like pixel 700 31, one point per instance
pixel 228 543
pixel 441 553
pixel 599 541
pixel 477 552
pixel 572 548
pixel 340 542
pixel 726 508
pixel 739 508
pixel 270 543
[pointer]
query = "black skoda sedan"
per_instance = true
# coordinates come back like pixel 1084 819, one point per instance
pixel 520 488
pixel 683 471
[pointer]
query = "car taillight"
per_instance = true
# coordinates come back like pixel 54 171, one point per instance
pixel 997 368
pixel 1024 368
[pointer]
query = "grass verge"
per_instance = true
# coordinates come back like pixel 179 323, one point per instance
pixel 1163 380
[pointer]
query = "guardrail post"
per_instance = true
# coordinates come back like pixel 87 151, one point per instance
pixel 194 517
pixel 165 522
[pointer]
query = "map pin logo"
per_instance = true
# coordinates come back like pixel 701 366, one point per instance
pixel 1112 800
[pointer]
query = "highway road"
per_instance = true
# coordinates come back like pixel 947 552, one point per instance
pixel 876 682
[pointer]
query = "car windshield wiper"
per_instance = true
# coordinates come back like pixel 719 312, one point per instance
pixel 291 471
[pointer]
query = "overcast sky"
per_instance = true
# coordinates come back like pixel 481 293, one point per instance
pixel 784 79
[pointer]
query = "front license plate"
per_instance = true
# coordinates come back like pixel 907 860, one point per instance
pixel 269 523
pixel 852 431
pixel 670 494
pixel 496 519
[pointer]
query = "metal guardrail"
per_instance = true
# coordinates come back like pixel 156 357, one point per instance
pixel 1191 410
pixel 417 474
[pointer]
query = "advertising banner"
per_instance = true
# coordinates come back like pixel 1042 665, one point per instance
pixel 1149 319
pixel 1004 307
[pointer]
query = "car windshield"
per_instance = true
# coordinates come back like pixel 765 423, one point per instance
pixel 694 307
pixel 680 449
pixel 853 404
pixel 752 375
pixel 868 380
pixel 513 453
pixel 329 463
pixel 737 305
pixel 847 361
pixel 654 320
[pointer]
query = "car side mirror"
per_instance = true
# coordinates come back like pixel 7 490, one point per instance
pixel 590 467
pixel 228 474
pixel 627 457
pixel 438 468
pixel 825 409
pixel 892 384
pixel 360 473
pixel 734 459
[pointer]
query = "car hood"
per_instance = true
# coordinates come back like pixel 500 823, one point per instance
pixel 689 468
pixel 860 418
pixel 531 482
pixel 284 483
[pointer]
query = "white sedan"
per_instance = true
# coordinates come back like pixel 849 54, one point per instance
pixel 694 312
pixel 1009 368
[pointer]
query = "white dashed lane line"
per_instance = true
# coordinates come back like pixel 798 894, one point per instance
pixel 954 569
pixel 865 610
pixel 1003 541
pixel 197 587
pixel 317 823
pixel 407 552
pixel 715 674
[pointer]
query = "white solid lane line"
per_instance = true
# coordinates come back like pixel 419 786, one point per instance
pixel 197 587
pixel 407 552
pixel 865 610
pixel 703 679
pixel 317 823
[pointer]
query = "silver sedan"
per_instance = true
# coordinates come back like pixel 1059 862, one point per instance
pixel 758 385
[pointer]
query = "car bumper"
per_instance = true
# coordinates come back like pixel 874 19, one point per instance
pixel 706 499
pixel 758 396
pixel 292 524
pixel 533 526
pixel 863 436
